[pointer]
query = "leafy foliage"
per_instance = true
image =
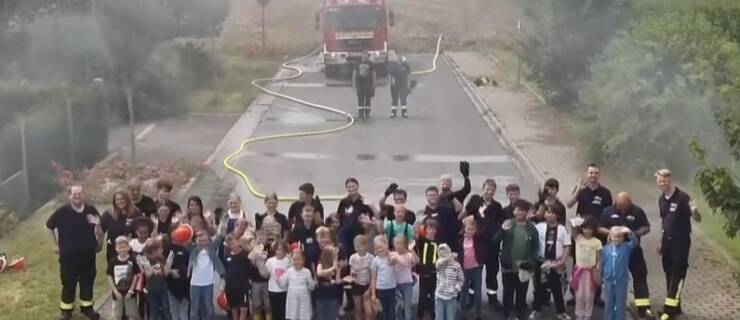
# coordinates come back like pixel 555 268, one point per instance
pixel 720 188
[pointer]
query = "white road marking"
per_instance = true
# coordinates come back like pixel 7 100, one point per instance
pixel 304 85
pixel 145 132
pixel 421 158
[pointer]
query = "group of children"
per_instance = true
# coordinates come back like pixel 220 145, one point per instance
pixel 271 267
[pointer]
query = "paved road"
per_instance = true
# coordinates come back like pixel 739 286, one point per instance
pixel 444 127
pixel 192 138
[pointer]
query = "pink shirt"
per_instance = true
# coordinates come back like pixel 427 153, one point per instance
pixel 403 268
pixel 469 260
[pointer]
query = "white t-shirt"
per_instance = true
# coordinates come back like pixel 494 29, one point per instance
pixel 277 268
pixel 360 267
pixel 563 240
pixel 203 270
pixel 136 246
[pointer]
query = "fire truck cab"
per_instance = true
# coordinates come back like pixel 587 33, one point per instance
pixel 352 28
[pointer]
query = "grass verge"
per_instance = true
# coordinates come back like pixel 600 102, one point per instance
pixel 713 227
pixel 34 293
pixel 232 90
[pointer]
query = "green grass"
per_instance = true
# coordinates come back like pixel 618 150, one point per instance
pixel 713 226
pixel 34 293
pixel 232 91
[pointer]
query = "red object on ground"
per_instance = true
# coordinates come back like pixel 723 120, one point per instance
pixel 18 264
pixel 222 302
pixel 182 234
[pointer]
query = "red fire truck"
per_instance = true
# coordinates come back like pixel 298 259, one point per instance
pixel 352 28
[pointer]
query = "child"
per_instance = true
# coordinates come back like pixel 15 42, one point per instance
pixel 383 279
pixel 472 247
pixel 143 230
pixel 238 271
pixel 155 270
pixel 305 234
pixel 359 264
pixel 277 266
pixel 398 226
pixel 405 261
pixel 328 285
pixel 450 280
pixel 427 248
pixel 586 272
pixel 204 262
pixel 178 282
pixel 299 283
pixel 123 273
pixel 554 248
pixel 615 271
pixel 259 299
pixel 519 247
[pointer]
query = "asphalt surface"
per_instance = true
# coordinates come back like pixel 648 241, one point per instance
pixel 443 127
pixel 193 137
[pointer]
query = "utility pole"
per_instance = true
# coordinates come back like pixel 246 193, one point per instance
pixel 24 164
pixel 263 4
pixel 519 55
pixel 72 146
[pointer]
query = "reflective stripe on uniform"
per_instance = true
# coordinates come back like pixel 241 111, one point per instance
pixel 66 306
pixel 642 302
pixel 424 253
pixel 671 302
pixel 491 292
pixel 665 316
pixel 678 293
pixel 84 303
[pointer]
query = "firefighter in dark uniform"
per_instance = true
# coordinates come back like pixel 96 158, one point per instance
pixel 400 86
pixel 624 213
pixel 363 81
pixel 676 210
pixel 75 229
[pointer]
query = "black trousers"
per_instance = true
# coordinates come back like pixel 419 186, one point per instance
pixel 514 288
pixel 427 286
pixel 675 264
pixel 77 268
pixel 492 269
pixel 364 97
pixel 399 93
pixel 638 269
pixel 552 283
pixel 277 303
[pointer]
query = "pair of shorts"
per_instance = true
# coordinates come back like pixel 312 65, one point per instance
pixel 237 297
pixel 125 307
pixel 259 296
pixel 358 289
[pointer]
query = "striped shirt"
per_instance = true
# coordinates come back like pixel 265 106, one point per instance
pixel 449 279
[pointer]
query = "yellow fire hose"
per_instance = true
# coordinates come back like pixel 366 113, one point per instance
pixel 298 73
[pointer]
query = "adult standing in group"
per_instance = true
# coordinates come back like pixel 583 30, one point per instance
pixel 77 237
pixel 306 193
pixel 399 198
pixel 455 199
pixel 117 221
pixel 271 204
pixel 449 225
pixel 146 205
pixel 592 197
pixel 164 191
pixel 676 210
pixel 363 81
pixel 626 214
pixel 350 210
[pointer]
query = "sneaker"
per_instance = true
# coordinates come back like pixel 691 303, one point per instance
pixel 394 112
pixel 535 315
pixel 404 113
pixel 494 303
pixel 91 314
pixel 562 316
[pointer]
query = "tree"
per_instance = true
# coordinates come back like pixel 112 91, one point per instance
pixel 561 39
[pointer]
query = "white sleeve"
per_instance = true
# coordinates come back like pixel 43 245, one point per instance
pixel 566 237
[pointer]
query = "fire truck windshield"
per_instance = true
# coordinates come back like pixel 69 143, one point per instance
pixel 355 17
